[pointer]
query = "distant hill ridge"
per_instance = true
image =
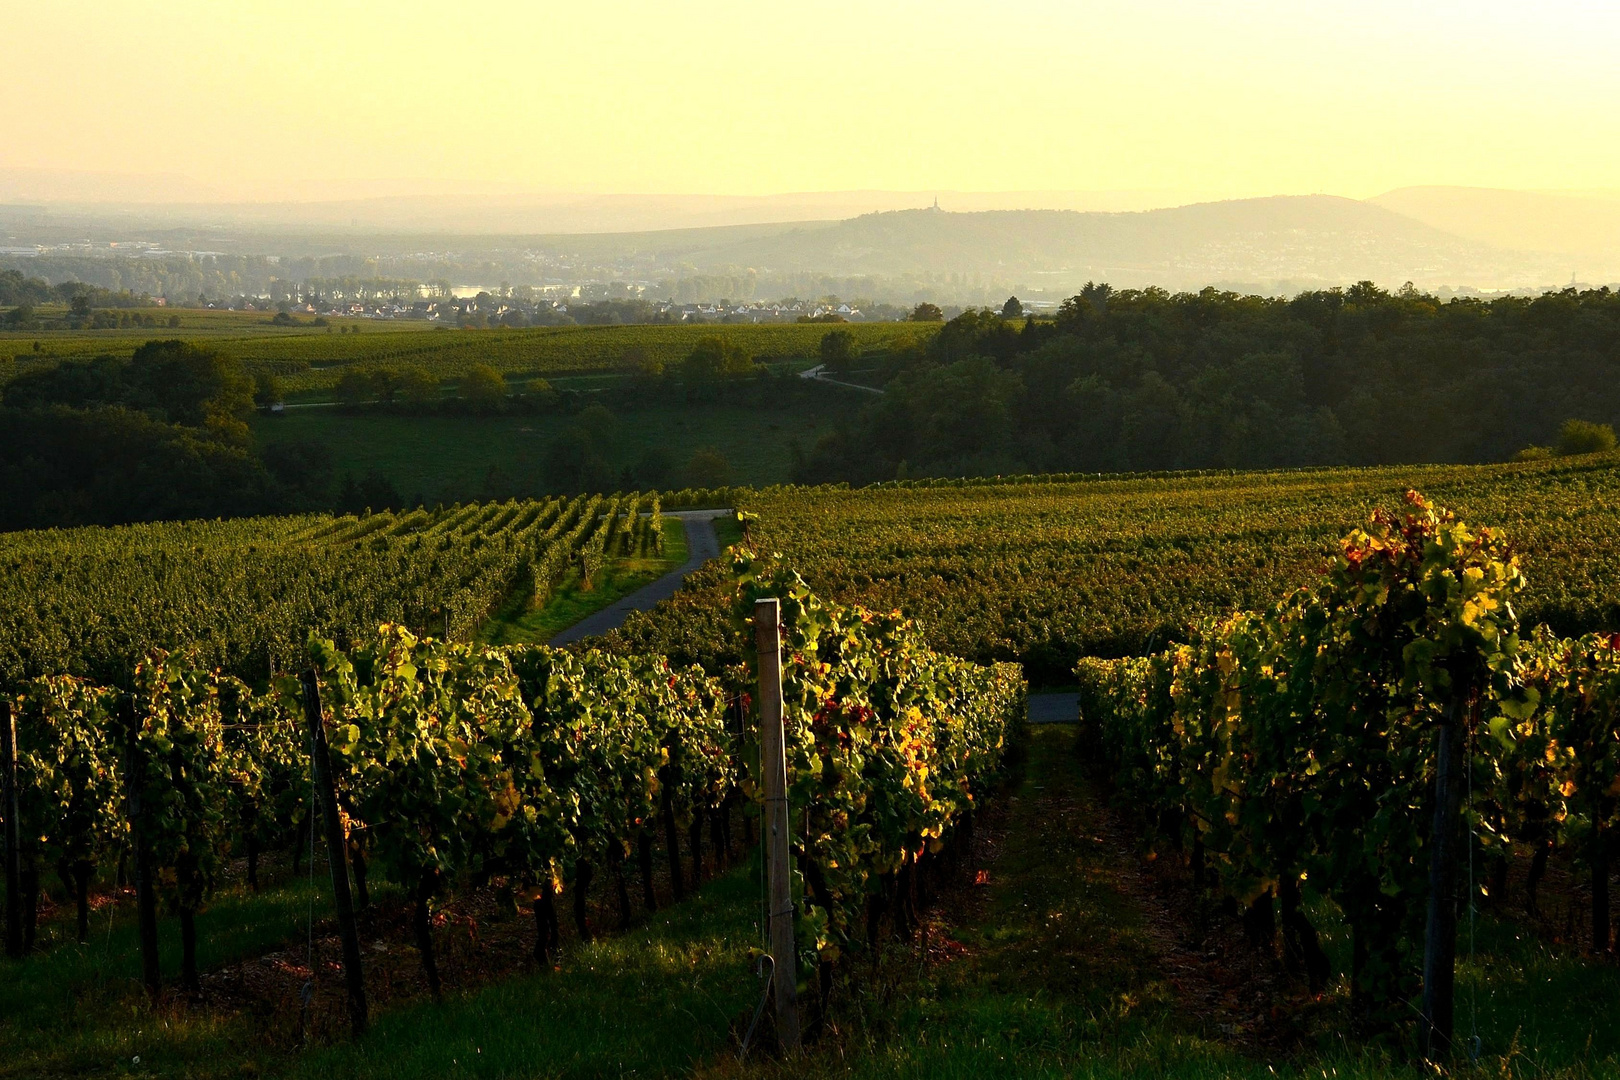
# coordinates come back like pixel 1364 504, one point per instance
pixel 1303 239
pixel 1430 236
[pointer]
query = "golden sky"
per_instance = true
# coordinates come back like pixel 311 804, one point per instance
pixel 276 100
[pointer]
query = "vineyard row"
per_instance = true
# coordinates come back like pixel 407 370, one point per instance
pixel 244 595
pixel 525 769
pixel 1358 738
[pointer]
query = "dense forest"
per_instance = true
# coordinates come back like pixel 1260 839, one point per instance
pixel 160 435
pixel 1146 380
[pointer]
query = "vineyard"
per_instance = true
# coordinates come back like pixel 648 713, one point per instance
pixel 1338 741
pixel 1281 677
pixel 245 595
pixel 1046 570
pixel 305 361
pixel 519 773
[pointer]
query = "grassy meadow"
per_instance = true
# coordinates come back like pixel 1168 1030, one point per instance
pixel 450 456
pixel 308 358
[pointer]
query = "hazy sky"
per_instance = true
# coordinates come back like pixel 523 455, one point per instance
pixel 1270 96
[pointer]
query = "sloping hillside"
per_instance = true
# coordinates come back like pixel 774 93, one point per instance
pixel 1295 239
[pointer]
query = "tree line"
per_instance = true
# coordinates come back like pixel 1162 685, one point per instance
pixel 1125 380
pixel 164 434
pixel 23 295
pixel 159 435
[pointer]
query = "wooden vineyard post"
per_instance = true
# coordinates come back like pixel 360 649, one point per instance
pixel 145 893
pixel 337 855
pixel 773 763
pixel 8 762
pixel 1440 941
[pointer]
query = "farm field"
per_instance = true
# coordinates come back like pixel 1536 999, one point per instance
pixel 1069 935
pixel 1046 571
pixel 309 358
pixel 571 758
pixel 194 324
pixel 1042 571
pixel 438 456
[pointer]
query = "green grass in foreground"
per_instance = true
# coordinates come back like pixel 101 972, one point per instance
pixel 79 1010
pixel 656 1001
pixel 1066 970
pixel 448 457
pixel 1065 975
pixel 516 624
pixel 1060 975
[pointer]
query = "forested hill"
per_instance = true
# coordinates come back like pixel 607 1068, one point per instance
pixel 1277 245
pixel 1302 240
pixel 1144 380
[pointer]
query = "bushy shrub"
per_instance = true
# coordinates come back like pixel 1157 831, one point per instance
pixel 1585 437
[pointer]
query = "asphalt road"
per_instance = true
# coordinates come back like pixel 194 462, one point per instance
pixel 701 545
pixel 1058 708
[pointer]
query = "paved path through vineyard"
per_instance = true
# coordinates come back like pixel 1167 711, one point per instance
pixel 701 545
pixel 1056 707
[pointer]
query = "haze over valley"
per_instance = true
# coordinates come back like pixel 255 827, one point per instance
pixel 893 247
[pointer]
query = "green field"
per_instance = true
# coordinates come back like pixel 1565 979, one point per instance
pixel 449 456
pixel 196 324
pixel 311 358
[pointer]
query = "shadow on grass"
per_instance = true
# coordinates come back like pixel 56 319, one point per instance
pixel 651 1002
pixel 1059 972
pixel 1059 966
pixel 79 1010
